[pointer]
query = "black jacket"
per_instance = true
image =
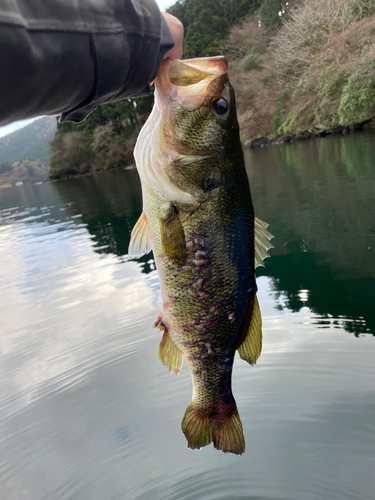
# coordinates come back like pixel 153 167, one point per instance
pixel 69 56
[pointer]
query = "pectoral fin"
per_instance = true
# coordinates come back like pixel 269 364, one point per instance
pixel 251 347
pixel 262 240
pixel 169 355
pixel 140 241
pixel 172 234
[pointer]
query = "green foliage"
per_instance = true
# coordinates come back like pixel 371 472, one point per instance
pixel 196 10
pixel 206 28
pixel 318 71
pixel 287 127
pixel 279 111
pixel 120 114
pixel 358 9
pixel 105 139
pixel 331 84
pixel 269 13
pixel 207 23
pixel 252 61
pixel 178 10
pixel 204 40
pixel 358 97
pixel 237 9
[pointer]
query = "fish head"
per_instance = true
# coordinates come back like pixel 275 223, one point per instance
pixel 198 129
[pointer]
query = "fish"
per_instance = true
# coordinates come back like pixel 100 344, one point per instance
pixel 198 219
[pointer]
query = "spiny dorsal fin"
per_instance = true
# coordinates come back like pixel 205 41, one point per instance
pixel 251 347
pixel 262 241
pixel 140 241
pixel 170 356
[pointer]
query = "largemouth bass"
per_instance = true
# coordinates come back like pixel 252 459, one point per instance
pixel 198 219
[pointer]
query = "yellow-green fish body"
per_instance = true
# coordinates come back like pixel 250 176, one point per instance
pixel 198 219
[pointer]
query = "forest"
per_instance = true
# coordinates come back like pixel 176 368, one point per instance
pixel 299 68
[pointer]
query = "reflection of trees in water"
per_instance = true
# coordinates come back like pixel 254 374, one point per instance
pixel 109 205
pixel 319 198
pixel 302 281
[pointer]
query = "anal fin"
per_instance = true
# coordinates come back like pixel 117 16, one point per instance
pixel 140 241
pixel 251 347
pixel 170 356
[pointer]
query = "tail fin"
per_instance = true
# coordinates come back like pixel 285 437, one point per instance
pixel 226 434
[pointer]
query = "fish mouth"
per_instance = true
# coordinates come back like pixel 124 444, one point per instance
pixel 192 71
pixel 191 82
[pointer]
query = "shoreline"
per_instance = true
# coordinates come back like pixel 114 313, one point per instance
pixel 263 141
pixel 258 142
pixel 58 178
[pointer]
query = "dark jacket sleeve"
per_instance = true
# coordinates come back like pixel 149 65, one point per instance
pixel 67 57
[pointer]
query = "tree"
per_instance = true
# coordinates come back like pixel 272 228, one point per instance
pixel 178 10
pixel 237 9
pixel 106 137
pixel 269 13
pixel 207 23
pixel 70 153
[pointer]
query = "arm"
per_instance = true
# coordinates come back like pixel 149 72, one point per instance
pixel 68 57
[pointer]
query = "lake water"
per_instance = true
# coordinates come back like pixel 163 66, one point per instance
pixel 87 412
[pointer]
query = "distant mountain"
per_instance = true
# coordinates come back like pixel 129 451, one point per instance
pixel 30 142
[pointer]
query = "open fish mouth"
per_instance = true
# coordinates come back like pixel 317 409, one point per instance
pixel 193 81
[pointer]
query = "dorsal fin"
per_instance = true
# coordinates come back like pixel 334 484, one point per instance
pixel 262 241
pixel 140 241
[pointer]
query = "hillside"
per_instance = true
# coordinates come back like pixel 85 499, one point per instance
pixel 30 142
pixel 314 76
pixel 106 138
pixel 23 171
pixel 300 69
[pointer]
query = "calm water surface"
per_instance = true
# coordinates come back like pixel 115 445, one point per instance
pixel 87 412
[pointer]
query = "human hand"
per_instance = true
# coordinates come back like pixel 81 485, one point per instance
pixel 177 31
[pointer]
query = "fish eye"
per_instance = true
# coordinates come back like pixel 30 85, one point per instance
pixel 219 105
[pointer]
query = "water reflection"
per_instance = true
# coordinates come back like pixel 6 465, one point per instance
pixel 319 198
pixel 86 410
pixel 108 209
